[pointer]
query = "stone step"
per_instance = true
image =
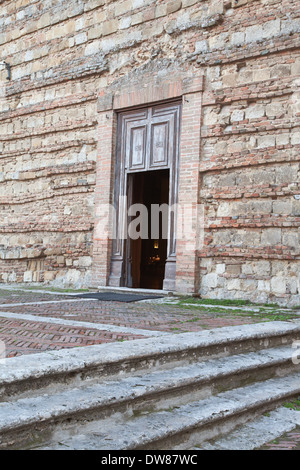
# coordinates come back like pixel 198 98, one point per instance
pixel 40 373
pixel 21 420
pixel 183 427
pixel 256 433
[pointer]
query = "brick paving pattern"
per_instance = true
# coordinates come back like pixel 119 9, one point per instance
pixel 289 441
pixel 169 318
pixel 24 337
pixel 27 337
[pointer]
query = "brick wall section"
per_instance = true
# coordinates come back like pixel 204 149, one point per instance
pixel 62 54
pixel 187 272
pixel 102 241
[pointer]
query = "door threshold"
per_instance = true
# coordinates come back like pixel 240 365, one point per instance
pixel 135 290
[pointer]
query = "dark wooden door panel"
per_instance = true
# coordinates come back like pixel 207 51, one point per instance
pixel 136 147
pixel 159 148
pixel 148 138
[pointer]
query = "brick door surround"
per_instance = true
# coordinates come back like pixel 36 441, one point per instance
pixel 110 102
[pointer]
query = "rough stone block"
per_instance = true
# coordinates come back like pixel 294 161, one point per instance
pixel 84 261
pixel 282 207
pixel 254 112
pixel 27 276
pixel 266 141
pixel 295 138
pixel 282 139
pixel 233 284
pixel 238 38
pixel 278 285
pixel 110 27
pixel 271 237
pixel 240 3
pixel 173 6
pixel 220 268
pixel 49 276
pixel 123 7
pixel 264 286
pixel 210 280
pixel 237 115
pixel 274 110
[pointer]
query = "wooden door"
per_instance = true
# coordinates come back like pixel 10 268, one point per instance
pixel 148 139
pixel 133 246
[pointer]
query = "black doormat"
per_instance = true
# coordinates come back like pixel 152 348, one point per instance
pixel 117 296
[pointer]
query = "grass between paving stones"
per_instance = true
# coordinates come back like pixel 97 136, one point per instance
pixel 184 300
pixel 262 312
pixel 293 404
pixel 226 302
pixel 238 308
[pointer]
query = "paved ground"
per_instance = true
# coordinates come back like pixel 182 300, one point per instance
pixel 35 321
pixel 289 441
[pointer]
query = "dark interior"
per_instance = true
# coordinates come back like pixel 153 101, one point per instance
pixel 147 257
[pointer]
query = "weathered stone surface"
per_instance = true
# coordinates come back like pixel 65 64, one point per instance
pixel 62 58
pixel 202 375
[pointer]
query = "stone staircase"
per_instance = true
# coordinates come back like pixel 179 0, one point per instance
pixel 178 391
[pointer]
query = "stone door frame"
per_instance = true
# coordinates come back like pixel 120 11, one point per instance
pixel 110 103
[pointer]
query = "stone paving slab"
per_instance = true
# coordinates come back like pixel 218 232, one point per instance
pixel 277 426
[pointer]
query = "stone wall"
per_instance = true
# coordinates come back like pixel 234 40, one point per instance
pixel 60 54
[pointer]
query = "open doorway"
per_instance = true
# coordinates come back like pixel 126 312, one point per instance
pixel 147 173
pixel 147 253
